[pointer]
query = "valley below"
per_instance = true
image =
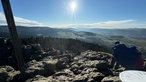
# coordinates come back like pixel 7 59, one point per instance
pixel 66 55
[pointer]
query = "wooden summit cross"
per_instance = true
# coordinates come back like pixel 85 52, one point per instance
pixel 13 32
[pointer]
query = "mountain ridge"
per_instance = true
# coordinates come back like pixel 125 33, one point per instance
pixel 105 37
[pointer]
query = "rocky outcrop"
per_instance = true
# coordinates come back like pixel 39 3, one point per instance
pixel 7 73
pixel 38 78
pixel 86 67
pixel 55 66
pixel 89 66
pixel 111 79
pixel 52 65
pixel 44 68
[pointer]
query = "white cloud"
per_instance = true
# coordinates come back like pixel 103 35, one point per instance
pixel 20 21
pixel 2 17
pixel 108 24
pixel 117 22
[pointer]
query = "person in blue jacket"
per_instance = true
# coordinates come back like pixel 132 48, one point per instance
pixel 126 57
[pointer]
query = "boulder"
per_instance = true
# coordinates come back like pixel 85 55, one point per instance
pixel 102 65
pixel 62 63
pixel 91 64
pixel 7 73
pixel 65 72
pixel 76 69
pixel 44 68
pixel 33 51
pixel 89 70
pixel 81 78
pixel 111 79
pixel 95 76
pixel 39 78
pixel 63 78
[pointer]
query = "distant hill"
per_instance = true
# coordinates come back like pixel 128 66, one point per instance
pixel 105 37
pixel 26 32
pixel 131 32
pixel 35 31
pixel 75 32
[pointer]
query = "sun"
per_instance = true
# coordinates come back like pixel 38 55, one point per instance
pixel 73 5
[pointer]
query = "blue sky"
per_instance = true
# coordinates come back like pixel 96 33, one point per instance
pixel 88 13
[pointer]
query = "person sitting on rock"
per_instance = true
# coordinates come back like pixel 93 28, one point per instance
pixel 130 58
pixel 136 58
pixel 118 50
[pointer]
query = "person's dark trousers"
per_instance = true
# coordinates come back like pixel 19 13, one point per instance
pixel 114 63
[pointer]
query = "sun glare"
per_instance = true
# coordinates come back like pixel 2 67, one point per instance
pixel 73 6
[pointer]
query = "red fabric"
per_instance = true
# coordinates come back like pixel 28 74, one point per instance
pixel 140 62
